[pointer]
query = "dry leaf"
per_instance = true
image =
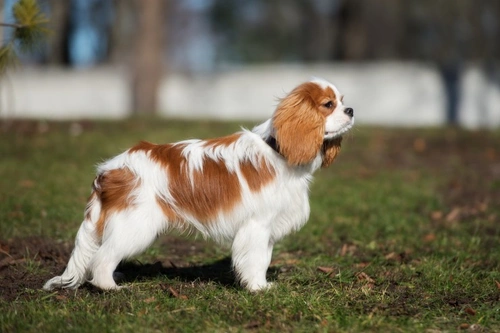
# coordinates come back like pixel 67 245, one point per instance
pixel 150 300
pixel 429 237
pixel 470 311
pixel 453 215
pixel 176 294
pixel 343 251
pixel 362 276
pixel 437 215
pixel 392 256
pixel 362 265
pixel 368 286
pixel 327 270
pixel 347 249
pixel 498 284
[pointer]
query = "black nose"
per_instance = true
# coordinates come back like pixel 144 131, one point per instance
pixel 349 112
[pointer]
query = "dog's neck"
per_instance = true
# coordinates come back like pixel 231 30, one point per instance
pixel 271 142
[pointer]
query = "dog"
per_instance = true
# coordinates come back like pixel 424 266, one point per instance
pixel 247 190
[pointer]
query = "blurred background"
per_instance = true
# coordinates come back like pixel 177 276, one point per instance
pixel 408 63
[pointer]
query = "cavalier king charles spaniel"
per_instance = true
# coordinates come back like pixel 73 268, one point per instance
pixel 247 190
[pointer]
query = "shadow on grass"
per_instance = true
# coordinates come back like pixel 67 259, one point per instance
pixel 219 272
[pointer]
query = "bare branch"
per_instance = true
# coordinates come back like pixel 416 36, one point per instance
pixel 12 25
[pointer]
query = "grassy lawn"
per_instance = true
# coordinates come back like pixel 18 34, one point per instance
pixel 404 236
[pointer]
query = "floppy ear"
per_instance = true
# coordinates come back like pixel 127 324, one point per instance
pixel 331 148
pixel 299 127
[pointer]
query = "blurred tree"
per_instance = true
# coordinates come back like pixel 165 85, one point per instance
pixel 147 67
pixel 359 30
pixel 59 24
pixel 29 30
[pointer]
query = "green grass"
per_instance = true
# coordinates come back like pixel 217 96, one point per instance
pixel 403 237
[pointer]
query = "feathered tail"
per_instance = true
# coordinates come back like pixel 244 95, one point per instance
pixel 86 244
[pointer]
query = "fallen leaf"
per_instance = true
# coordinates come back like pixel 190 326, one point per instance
pixel 150 300
pixel 453 215
pixel 347 249
pixel 327 270
pixel 343 250
pixel 362 276
pixel 429 238
pixel 464 326
pixel 176 294
pixel 437 215
pixel 498 284
pixel 367 287
pixel 391 256
pixel 362 265
pixel 470 311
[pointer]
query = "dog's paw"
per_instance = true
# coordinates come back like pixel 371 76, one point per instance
pixel 259 287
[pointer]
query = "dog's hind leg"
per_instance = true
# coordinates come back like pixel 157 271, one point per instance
pixel 86 244
pixel 127 233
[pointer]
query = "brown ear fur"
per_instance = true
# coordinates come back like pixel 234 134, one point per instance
pixel 331 149
pixel 299 127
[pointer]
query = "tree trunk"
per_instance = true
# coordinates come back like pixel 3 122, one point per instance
pixel 148 55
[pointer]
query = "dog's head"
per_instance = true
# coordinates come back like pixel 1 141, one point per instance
pixel 310 119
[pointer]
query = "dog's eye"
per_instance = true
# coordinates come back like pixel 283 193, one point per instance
pixel 328 104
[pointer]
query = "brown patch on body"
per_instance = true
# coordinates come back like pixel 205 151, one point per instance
pixel 212 190
pixel 225 141
pixel 204 193
pixel 114 189
pixel 299 121
pixel 331 148
pixel 256 178
pixel 167 210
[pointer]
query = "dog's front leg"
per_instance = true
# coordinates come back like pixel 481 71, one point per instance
pixel 251 255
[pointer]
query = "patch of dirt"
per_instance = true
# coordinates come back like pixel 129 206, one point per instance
pixel 26 263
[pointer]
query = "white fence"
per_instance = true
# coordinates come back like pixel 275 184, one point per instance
pixel 395 94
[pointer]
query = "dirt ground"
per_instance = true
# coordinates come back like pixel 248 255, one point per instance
pixel 476 156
